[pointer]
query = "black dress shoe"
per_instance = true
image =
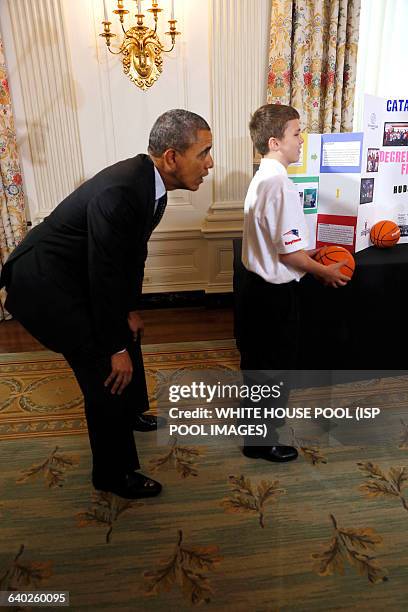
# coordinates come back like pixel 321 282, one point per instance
pixel 131 486
pixel 148 422
pixel 279 454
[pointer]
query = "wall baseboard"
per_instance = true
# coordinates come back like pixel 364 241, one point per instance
pixel 186 299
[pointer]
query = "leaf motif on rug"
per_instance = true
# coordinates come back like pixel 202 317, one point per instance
pixel 22 574
pixel 352 546
pixel 312 454
pixel 52 469
pixel 105 510
pixel 155 381
pixel 181 457
pixel 185 568
pixel 403 445
pixel 247 499
pixel 379 484
pixel 10 390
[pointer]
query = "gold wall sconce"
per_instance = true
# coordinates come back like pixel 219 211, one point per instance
pixel 141 47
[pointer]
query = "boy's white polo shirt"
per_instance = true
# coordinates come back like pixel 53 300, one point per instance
pixel 274 224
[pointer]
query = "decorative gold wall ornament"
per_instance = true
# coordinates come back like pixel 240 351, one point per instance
pixel 141 47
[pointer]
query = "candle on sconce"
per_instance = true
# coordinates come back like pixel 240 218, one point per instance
pixel 172 9
pixel 139 6
pixel 105 11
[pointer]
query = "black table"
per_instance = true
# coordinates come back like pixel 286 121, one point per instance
pixel 362 326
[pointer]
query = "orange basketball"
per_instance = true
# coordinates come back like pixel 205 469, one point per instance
pixel 332 254
pixel 385 234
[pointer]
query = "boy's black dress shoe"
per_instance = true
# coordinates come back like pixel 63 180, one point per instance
pixel 130 486
pixel 147 422
pixel 279 454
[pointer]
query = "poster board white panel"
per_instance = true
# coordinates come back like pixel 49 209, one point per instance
pixel 384 167
pixel 339 194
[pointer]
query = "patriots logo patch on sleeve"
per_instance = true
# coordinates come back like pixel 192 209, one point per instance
pixel 292 232
pixel 291 237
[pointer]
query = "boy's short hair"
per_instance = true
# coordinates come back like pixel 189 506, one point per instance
pixel 270 120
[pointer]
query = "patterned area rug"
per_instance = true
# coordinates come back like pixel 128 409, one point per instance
pixel 39 395
pixel 327 532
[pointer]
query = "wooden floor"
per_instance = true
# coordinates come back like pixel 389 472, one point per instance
pixel 161 325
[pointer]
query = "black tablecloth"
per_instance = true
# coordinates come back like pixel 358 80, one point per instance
pixel 362 326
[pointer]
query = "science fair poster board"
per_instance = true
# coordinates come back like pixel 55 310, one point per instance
pixel 362 177
pixel 328 174
pixel 330 166
pixel 305 175
pixel 384 176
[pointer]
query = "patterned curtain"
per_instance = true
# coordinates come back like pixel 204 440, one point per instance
pixel 312 60
pixel 13 225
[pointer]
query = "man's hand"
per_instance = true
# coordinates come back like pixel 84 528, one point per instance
pixel 136 324
pixel 121 375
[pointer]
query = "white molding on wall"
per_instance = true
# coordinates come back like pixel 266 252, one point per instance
pixel 177 261
pixel 179 201
pixel 43 62
pixel 104 84
pixel 181 234
pixel 220 256
pixel 224 219
pixel 239 42
pixel 183 261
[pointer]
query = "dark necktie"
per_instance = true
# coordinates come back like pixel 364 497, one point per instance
pixel 161 206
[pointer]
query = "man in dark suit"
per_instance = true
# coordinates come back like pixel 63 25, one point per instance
pixel 74 282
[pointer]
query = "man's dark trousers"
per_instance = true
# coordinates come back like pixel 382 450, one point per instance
pixel 110 416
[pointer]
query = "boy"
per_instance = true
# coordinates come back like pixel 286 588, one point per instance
pixel 273 252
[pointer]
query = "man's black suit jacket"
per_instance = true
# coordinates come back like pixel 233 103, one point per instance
pixel 78 273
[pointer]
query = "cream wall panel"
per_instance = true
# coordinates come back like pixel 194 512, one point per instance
pixel 41 56
pixel 239 37
pixel 177 260
pixel 23 142
pixel 115 116
pixel 239 49
pixel 220 260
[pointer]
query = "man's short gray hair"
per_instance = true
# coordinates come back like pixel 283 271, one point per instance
pixel 175 129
